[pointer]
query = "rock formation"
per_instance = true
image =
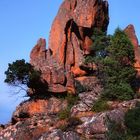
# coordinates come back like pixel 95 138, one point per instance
pixel 130 31
pixel 62 68
pixel 69 41
pixel 43 123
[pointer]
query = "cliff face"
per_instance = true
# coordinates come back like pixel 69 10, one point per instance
pixel 69 41
pixel 62 67
pixel 130 31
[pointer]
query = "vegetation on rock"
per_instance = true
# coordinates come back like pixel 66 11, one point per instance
pixel 129 130
pixel 100 105
pixel 115 131
pixel 71 100
pixel 132 121
pixel 114 57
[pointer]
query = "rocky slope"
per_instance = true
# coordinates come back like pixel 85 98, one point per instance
pixel 63 69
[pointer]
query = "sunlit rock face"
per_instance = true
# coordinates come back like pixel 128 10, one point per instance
pixel 130 31
pixel 69 41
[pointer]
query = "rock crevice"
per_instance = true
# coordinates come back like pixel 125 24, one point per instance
pixel 69 41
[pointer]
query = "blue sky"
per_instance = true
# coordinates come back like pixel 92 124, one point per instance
pixel 24 22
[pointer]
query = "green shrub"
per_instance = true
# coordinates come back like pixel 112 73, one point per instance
pixel 71 100
pixel 132 121
pixel 89 59
pixel 100 105
pixel 129 131
pixel 64 114
pixel 118 91
pixel 116 131
pixel 114 57
pixel 63 127
pixel 79 87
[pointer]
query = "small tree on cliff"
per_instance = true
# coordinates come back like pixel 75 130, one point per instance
pixel 98 48
pixel 22 75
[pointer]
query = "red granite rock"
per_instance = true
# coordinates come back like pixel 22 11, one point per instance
pixel 38 52
pixel 76 17
pixel 34 107
pixel 69 41
pixel 130 31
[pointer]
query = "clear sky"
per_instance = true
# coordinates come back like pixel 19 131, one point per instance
pixel 23 22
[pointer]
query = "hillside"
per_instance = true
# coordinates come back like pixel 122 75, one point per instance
pixel 84 100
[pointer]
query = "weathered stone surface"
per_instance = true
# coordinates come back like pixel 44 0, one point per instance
pixel 77 17
pixel 38 52
pixel 89 89
pixel 130 31
pixel 30 128
pixel 57 88
pixel 60 135
pixel 69 41
pixel 96 125
pixel 42 122
pixel 31 108
pixel 58 76
pixel 1 127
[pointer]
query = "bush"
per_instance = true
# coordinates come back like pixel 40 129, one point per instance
pixel 71 100
pixel 116 131
pixel 64 114
pixel 100 105
pixel 132 121
pixel 79 88
pixel 63 127
pixel 101 41
pixel 131 130
pixel 114 57
pixel 118 91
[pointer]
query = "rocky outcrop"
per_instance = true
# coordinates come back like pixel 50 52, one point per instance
pixel 63 69
pixel 38 120
pixel 60 135
pixel 130 31
pixel 36 107
pixel 72 27
pixel 69 41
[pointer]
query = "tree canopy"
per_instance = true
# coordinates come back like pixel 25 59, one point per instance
pixel 114 57
pixel 23 75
